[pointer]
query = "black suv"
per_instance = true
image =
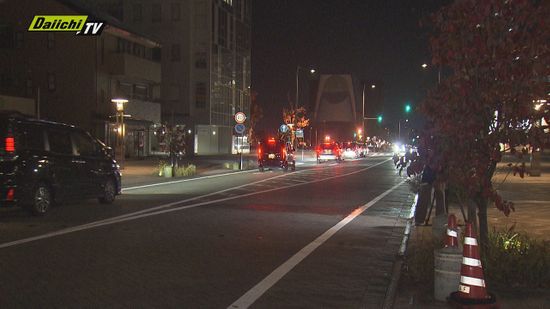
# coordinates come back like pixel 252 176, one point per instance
pixel 43 162
pixel 275 153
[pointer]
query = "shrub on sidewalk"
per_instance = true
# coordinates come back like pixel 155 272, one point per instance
pixel 183 171
pixel 517 260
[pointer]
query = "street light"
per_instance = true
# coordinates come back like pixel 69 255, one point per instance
pixel 363 118
pixel 119 150
pixel 425 66
pixel 298 68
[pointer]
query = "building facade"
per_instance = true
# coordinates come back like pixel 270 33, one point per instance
pixel 72 79
pixel 205 62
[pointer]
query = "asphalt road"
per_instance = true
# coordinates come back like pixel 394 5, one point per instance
pixel 325 236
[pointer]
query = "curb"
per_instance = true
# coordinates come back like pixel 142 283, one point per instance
pixel 398 265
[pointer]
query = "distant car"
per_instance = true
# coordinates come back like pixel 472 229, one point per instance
pixel 42 163
pixel 275 153
pixel 354 150
pixel 328 151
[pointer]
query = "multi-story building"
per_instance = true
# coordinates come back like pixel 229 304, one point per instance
pixel 72 78
pixel 205 62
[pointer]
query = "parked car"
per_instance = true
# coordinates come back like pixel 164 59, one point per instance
pixel 275 153
pixel 329 151
pixel 43 163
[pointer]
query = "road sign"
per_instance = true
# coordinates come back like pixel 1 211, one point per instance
pixel 240 117
pixel 239 128
pixel 300 133
pixel 283 128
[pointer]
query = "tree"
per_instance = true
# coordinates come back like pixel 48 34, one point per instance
pixel 172 140
pixel 295 119
pixel 497 54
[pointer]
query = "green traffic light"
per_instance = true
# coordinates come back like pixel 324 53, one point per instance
pixel 407 108
pixel 379 119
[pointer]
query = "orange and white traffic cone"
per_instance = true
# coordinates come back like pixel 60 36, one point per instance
pixel 472 292
pixel 451 240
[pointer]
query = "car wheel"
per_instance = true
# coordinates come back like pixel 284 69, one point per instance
pixel 285 167
pixel 42 200
pixel 109 192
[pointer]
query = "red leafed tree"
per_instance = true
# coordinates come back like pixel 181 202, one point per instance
pixel 497 55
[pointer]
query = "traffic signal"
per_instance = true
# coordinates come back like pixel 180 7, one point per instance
pixel 407 108
pixel 379 118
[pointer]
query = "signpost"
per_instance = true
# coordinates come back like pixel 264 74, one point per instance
pixel 240 118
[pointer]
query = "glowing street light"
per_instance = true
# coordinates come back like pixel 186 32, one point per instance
pixel 119 151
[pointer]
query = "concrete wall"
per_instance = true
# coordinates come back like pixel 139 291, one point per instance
pixel 23 105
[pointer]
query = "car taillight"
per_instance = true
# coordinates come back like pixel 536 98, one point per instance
pixel 259 152
pixel 10 194
pixel 9 144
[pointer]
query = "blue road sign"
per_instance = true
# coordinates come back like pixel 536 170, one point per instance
pixel 239 128
pixel 283 128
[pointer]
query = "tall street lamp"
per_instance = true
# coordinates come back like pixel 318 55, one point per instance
pixel 425 66
pixel 119 151
pixel 298 68
pixel 363 118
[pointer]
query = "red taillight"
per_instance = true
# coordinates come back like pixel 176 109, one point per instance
pixel 259 152
pixel 10 194
pixel 10 144
pixel 284 153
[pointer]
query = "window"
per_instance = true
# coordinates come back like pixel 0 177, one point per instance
pixel 175 52
pixel 51 81
pixel 176 11
pixel 126 89
pixel 156 12
pixel 84 144
pixel 200 95
pixel 140 92
pixel 51 40
pixel 29 87
pixel 156 54
pixel 137 13
pixel 60 142
pixel 33 137
pixel 200 60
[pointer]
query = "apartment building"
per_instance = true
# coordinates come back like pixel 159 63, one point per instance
pixel 205 62
pixel 70 78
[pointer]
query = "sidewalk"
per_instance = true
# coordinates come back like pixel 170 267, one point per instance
pixel 137 172
pixel 531 197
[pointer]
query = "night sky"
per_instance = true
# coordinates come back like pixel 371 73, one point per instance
pixel 376 41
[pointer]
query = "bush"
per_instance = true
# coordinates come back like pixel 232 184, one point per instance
pixel 515 260
pixel 161 166
pixel 183 171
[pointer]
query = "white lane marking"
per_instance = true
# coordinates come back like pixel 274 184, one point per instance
pixel 184 180
pixel 259 289
pixel 149 212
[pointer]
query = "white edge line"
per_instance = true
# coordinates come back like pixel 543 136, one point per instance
pixel 259 289
pixel 149 212
pixel 185 180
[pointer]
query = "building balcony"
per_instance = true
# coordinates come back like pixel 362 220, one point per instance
pixel 133 66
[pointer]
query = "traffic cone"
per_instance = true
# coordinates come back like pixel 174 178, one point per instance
pixel 451 240
pixel 472 292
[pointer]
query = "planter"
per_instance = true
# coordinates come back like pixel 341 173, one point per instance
pixel 167 171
